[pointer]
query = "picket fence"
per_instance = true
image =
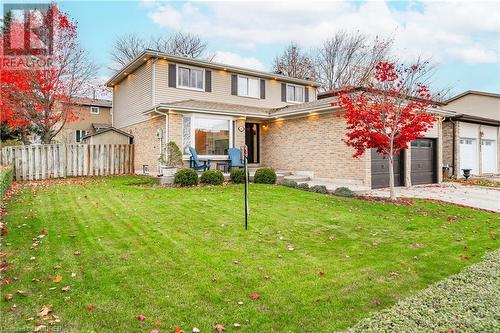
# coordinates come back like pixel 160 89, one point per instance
pixel 33 162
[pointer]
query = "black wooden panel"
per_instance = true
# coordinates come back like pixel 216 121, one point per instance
pixel 423 162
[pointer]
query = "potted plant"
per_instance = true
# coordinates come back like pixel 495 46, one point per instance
pixel 170 160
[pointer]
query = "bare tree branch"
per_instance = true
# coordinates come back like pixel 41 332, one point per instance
pixel 294 63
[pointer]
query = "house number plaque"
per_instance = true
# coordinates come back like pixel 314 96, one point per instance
pixel 241 129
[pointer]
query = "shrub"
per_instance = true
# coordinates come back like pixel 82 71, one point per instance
pixel 186 177
pixel 212 177
pixel 344 192
pixel 265 176
pixel 6 175
pixel 303 186
pixel 318 189
pixel 289 183
pixel 237 176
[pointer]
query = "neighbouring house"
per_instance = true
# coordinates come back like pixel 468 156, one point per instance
pixel 158 98
pixel 109 135
pixel 471 138
pixel 92 115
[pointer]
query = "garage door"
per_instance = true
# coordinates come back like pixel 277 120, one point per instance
pixel 380 170
pixel 469 155
pixel 489 156
pixel 423 162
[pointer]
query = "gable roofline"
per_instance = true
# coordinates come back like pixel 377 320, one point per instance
pixel 472 92
pixel 148 54
pixel 107 130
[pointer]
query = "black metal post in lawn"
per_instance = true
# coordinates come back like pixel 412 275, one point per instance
pixel 245 162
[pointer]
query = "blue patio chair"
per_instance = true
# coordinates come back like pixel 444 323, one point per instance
pixel 195 162
pixel 234 158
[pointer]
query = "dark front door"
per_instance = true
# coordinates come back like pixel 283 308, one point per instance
pixel 252 131
pixel 380 170
pixel 423 161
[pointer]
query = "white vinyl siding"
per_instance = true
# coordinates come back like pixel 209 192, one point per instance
pixel 132 96
pixel 294 94
pixel 248 87
pixel 190 78
pixel 221 90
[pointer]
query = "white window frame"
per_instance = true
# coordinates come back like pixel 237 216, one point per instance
pixel 209 116
pixel 177 66
pixel 248 90
pixel 82 134
pixel 288 100
pixel 92 108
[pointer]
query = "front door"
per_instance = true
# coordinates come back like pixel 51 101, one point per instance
pixel 252 131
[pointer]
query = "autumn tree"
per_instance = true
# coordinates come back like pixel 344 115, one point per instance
pixel 38 88
pixel 294 62
pixel 349 59
pixel 390 113
pixel 127 47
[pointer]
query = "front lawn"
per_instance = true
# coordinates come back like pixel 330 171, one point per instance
pixel 181 257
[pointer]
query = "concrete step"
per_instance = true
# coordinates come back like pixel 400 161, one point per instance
pixel 297 178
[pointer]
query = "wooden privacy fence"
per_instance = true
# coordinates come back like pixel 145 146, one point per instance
pixel 33 162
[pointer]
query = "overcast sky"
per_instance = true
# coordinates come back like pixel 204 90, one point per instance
pixel 462 37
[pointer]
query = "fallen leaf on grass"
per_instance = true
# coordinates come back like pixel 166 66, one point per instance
pixel 196 330
pixel 9 297
pixel 141 317
pixel 219 327
pixel 395 273
pixel 254 296
pixel 236 326
pixel 77 253
pixel 44 310
pixel 178 330
pixel 91 307
pixel 157 323
pixel 67 288
pixel 154 331
pixel 58 278
pixel 13 308
pixel 39 328
pixel 321 273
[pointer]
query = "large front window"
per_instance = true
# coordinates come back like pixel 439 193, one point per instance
pixel 191 78
pixel 210 136
pixel 294 94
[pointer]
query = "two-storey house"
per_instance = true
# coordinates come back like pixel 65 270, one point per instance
pixel 158 98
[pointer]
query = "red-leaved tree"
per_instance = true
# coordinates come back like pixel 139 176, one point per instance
pixel 390 113
pixel 38 88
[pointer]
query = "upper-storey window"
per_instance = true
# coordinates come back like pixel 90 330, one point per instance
pixel 190 78
pixel 294 94
pixel 248 87
pixel 94 109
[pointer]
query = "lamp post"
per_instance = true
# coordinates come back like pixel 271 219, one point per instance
pixel 245 162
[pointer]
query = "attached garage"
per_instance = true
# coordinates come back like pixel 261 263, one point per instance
pixel 489 158
pixel 423 161
pixel 380 170
pixel 469 147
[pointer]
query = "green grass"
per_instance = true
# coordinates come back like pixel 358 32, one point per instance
pixel 168 253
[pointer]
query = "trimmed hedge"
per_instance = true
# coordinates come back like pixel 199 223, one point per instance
pixel 237 176
pixel 466 302
pixel 212 177
pixel 6 176
pixel 344 192
pixel 265 176
pixel 303 186
pixel 289 183
pixel 186 177
pixel 318 189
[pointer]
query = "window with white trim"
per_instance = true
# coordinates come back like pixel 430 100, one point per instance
pixel 79 134
pixel 294 94
pixel 248 87
pixel 94 109
pixel 190 78
pixel 209 136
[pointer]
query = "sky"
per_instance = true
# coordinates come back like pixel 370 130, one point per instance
pixel 462 38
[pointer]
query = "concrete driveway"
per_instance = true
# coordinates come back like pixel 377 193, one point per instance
pixel 473 196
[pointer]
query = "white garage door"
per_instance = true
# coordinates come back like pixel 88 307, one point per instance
pixel 489 156
pixel 468 155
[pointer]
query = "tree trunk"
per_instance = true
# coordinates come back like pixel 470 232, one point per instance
pixel 391 172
